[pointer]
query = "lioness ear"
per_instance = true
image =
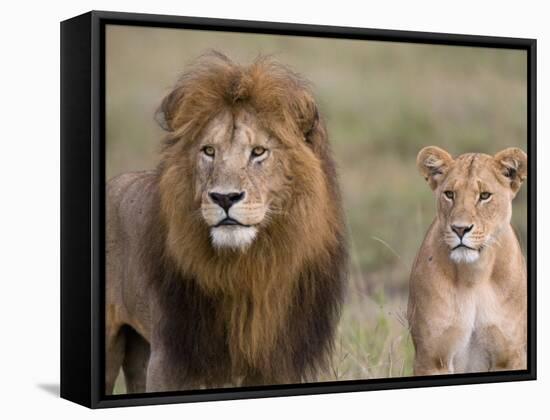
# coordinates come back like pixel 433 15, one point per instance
pixel 512 163
pixel 433 163
pixel 167 110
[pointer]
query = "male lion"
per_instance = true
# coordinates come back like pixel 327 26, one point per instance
pixel 468 287
pixel 226 264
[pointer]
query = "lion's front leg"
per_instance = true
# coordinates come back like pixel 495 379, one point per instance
pixel 431 360
pixel 436 353
pixel 162 375
pixel 425 364
pixel 505 352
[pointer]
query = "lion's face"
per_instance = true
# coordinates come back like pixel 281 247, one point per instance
pixel 474 195
pixel 473 206
pixel 245 163
pixel 235 178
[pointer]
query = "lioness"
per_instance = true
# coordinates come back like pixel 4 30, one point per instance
pixel 468 287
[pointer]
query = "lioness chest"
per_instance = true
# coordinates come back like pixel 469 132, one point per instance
pixel 482 322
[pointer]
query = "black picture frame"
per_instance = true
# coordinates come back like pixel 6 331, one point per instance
pixel 83 218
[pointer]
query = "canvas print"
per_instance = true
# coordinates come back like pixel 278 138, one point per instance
pixel 290 209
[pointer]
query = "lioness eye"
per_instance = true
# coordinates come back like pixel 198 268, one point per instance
pixel 258 151
pixel 208 151
pixel 449 194
pixel 484 195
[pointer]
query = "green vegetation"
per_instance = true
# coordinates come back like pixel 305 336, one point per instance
pixel 382 102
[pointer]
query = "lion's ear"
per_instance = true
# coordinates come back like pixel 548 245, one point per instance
pixel 512 163
pixel 309 120
pixel 312 127
pixel 433 163
pixel 165 115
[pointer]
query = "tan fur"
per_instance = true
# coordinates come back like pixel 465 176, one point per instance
pixel 467 311
pixel 291 199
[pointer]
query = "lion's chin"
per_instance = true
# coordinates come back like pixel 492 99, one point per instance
pixel 464 255
pixel 233 237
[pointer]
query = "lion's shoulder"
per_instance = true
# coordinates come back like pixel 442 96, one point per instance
pixel 129 182
pixel 131 187
pixel 131 199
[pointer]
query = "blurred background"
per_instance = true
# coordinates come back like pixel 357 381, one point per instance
pixel 382 103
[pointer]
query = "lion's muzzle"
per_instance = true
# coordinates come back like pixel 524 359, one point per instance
pixel 463 248
pixel 231 218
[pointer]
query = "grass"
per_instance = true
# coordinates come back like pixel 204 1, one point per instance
pixel 382 102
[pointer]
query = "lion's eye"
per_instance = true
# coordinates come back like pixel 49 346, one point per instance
pixel 258 151
pixel 484 196
pixel 209 151
pixel 449 194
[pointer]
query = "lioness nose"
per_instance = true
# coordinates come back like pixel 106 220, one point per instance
pixel 461 230
pixel 225 201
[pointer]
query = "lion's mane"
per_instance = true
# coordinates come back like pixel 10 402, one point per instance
pixel 267 315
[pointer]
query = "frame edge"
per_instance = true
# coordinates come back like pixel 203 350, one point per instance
pixel 76 246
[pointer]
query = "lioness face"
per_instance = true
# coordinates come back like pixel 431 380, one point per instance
pixel 235 177
pixel 474 195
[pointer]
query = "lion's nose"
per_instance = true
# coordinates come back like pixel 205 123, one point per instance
pixel 225 201
pixel 461 230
